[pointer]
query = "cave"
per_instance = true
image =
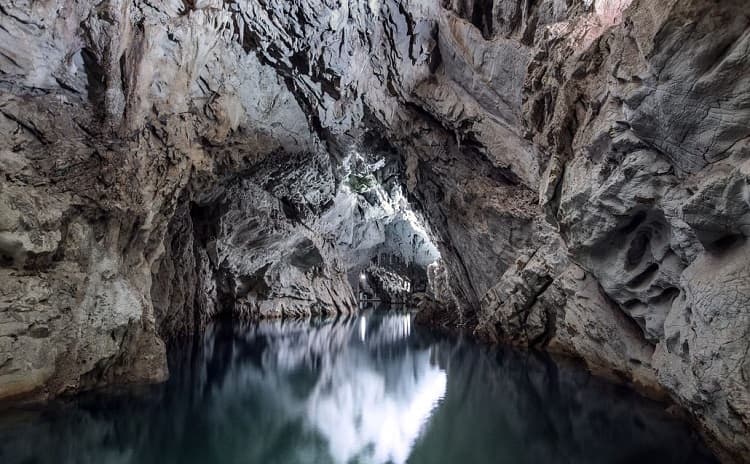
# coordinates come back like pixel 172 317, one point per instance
pixel 381 231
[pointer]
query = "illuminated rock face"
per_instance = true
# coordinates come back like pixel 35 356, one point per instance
pixel 580 166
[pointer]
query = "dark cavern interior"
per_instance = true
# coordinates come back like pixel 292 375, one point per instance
pixel 374 231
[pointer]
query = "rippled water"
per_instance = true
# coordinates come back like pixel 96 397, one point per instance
pixel 367 389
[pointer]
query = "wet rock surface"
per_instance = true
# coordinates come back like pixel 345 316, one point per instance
pixel 581 167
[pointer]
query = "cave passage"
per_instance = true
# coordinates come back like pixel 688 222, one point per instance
pixel 389 255
pixel 371 388
pixel 251 204
pixel 294 237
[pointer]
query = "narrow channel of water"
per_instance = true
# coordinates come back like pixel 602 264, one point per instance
pixel 366 389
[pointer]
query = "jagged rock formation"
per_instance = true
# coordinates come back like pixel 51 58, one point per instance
pixel 249 247
pixel 581 166
pixel 388 286
pixel 371 222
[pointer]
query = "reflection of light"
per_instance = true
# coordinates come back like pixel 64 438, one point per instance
pixel 369 418
pixel 362 276
pixel 403 427
pixel 371 400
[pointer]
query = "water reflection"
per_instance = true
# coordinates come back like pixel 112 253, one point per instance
pixel 368 389
pixel 375 412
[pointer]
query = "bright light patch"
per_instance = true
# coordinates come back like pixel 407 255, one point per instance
pixel 362 328
pixel 367 420
pixel 375 7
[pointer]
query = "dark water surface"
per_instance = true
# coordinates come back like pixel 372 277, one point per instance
pixel 367 389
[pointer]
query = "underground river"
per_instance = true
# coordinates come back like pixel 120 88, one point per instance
pixel 367 389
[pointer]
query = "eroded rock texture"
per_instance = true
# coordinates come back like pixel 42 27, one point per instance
pixel 580 165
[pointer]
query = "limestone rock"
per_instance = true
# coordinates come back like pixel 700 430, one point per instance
pixel 580 166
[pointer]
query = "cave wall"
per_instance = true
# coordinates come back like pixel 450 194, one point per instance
pixel 581 166
pixel 251 247
pixel 118 121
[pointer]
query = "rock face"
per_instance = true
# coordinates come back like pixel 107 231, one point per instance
pixel 581 167
pixel 387 286
pixel 250 247
pixel 371 222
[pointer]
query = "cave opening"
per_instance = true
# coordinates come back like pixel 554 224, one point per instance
pixel 385 246
pixel 296 235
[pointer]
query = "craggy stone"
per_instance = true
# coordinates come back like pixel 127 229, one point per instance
pixel 580 166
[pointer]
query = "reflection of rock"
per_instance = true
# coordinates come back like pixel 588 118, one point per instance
pixel 541 411
pixel 376 416
pixel 327 378
pixel 369 389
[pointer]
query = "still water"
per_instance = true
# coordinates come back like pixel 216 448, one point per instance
pixel 366 389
